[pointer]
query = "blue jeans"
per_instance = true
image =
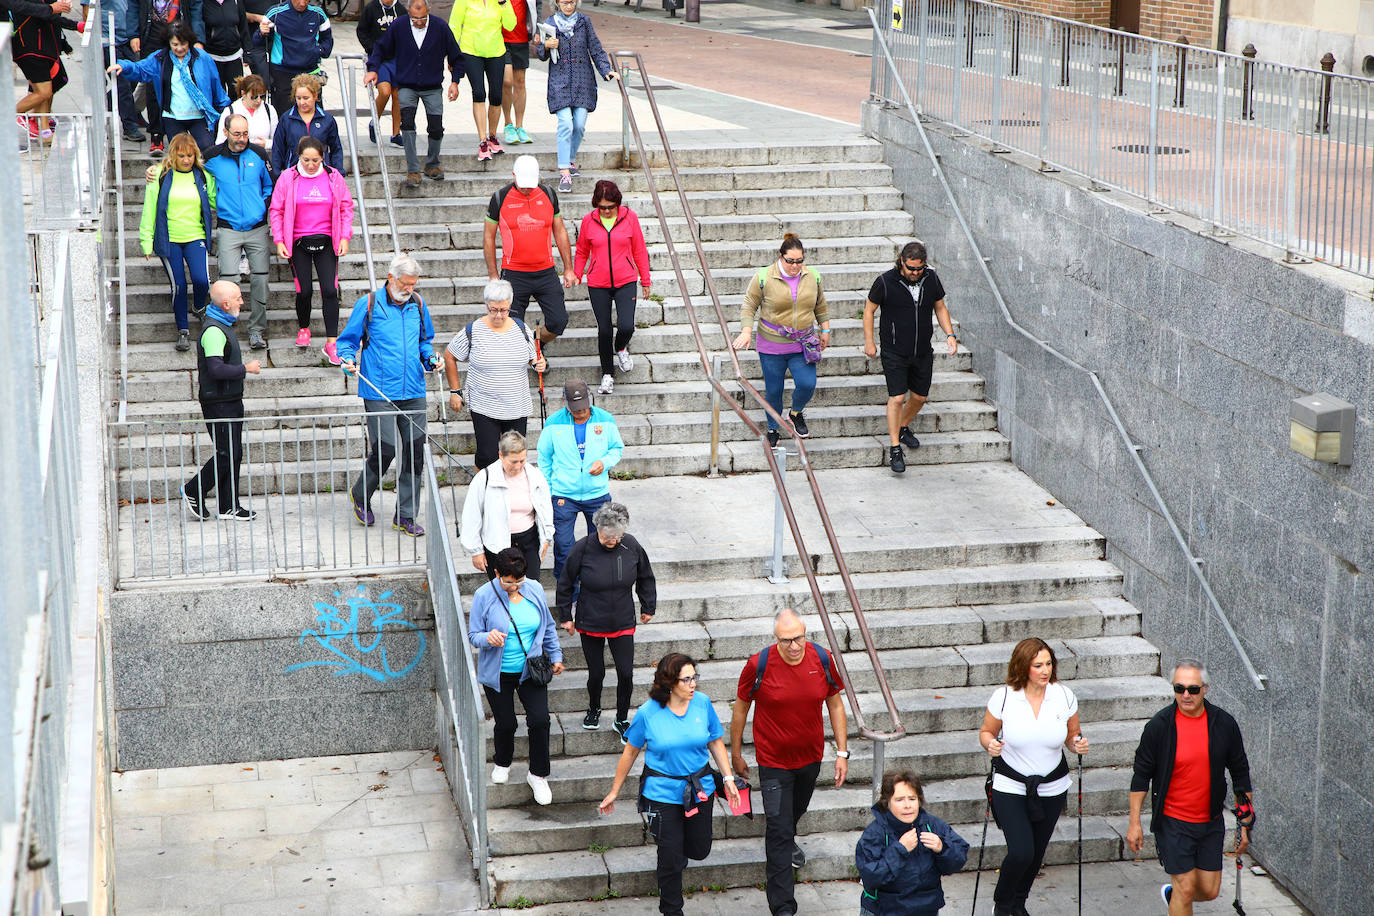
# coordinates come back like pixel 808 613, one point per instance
pixel 188 258
pixel 775 368
pixel 572 123
pixel 565 512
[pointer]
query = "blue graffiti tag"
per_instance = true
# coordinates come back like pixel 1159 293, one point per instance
pixel 337 629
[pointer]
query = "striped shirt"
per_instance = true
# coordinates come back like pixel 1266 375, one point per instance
pixel 498 383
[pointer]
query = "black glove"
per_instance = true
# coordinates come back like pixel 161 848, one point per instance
pixel 1245 814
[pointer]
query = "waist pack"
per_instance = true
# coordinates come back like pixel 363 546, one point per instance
pixel 809 338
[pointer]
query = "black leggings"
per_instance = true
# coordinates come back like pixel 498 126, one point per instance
pixel 535 698
pixel 493 68
pixel 488 431
pixel 316 251
pixel 623 655
pixel 527 542
pixel 229 71
pixel 601 297
pixel 1026 843
pixel 679 838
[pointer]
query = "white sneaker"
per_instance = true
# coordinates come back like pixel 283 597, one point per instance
pixel 244 269
pixel 543 795
pixel 607 385
pixel 624 360
pixel 500 775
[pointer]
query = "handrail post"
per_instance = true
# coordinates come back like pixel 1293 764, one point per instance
pixel 1046 45
pixel 117 135
pixel 1218 144
pixel 1181 82
pixel 351 128
pixel 1324 99
pixel 716 361
pixel 879 765
pixel 625 122
pixel 1290 176
pixel 1152 154
pixel 777 574
pixel 1247 84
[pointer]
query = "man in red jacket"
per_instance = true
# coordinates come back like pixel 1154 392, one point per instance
pixel 789 740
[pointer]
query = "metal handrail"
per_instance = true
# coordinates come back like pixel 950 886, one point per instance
pixel 350 110
pixel 753 393
pixel 115 128
pixel 1194 563
pixel 351 128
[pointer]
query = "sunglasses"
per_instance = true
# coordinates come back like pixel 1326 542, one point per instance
pixel 1193 689
pixel 914 270
pixel 795 261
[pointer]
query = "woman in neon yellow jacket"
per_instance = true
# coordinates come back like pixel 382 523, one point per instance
pixel 477 25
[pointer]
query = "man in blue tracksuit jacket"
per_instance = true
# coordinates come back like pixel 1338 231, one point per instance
pixel 298 37
pixel 578 446
pixel 392 329
pixel 243 185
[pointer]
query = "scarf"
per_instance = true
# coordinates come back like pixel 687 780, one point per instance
pixel 215 313
pixel 182 66
pixel 565 24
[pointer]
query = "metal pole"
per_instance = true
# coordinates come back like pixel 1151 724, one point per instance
pixel 879 765
pixel 625 121
pixel 778 574
pixel 1152 154
pixel 1046 45
pixel 1290 177
pixel 997 27
pixel 1219 144
pixel 956 72
pixel 715 418
pixel 923 32
pixel 1247 84
pixel 1324 101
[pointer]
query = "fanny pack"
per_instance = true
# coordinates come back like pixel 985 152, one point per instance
pixel 809 338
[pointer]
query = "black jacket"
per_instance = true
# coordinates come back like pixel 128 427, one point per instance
pixel 221 377
pixel 606 578
pixel 225 27
pixel 1154 758
pixel 375 20
pixel 149 20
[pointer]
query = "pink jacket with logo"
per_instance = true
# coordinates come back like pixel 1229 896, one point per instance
pixel 614 257
pixel 283 209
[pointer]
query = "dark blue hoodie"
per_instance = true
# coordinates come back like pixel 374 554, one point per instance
pixel 901 883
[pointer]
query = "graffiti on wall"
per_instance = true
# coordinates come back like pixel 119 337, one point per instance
pixel 360 636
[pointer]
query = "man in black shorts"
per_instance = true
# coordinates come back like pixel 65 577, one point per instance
pixel 908 294
pixel 1183 754
pixel 525 214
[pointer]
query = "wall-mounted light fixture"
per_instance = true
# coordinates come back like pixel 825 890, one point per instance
pixel 1322 427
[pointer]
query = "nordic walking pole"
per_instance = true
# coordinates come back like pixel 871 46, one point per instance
pixel 1245 821
pixel 543 399
pixel 1240 870
pixel 982 844
pixel 1080 834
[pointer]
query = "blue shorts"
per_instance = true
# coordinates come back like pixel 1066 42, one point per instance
pixel 386 72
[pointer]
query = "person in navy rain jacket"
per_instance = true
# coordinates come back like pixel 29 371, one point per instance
pixel 902 855
pixel 306 118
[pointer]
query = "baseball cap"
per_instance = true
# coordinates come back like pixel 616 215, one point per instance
pixel 575 394
pixel 527 175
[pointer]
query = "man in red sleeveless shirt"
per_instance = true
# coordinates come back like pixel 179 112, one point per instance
pixel 1183 753
pixel 789 740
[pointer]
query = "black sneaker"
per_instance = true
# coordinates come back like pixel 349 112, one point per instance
pixel 908 438
pixel 239 515
pixel 772 438
pixel 799 424
pixel 621 726
pixel 133 135
pixel 183 341
pixel 798 857
pixel 898 461
pixel 195 506
pixel 592 720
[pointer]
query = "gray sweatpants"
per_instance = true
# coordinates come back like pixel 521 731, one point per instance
pixel 391 435
pixel 409 100
pixel 254 243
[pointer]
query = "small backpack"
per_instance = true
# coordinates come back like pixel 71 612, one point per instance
pixel 763 663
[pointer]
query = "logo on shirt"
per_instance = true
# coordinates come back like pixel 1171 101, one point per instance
pixel 313 194
pixel 596 430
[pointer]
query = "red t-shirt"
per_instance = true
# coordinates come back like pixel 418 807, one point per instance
pixel 521 32
pixel 1190 788
pixel 788 732
pixel 524 220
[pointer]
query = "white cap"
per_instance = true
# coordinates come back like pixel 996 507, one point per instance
pixel 526 171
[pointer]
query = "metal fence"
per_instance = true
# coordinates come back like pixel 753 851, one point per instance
pixel 1283 155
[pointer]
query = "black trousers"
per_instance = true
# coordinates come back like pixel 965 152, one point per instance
pixel 229 71
pixel 608 339
pixel 487 431
pixel 317 252
pixel 221 472
pixel 786 796
pixel 1026 843
pixel 128 110
pixel 623 655
pixel 679 838
pixel 535 698
pixel 527 542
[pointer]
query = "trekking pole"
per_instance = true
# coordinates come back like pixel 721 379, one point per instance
pixel 1080 834
pixel 1244 813
pixel 982 845
pixel 543 399
pixel 1240 870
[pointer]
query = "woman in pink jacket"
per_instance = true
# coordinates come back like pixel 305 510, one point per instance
pixel 312 221
pixel 611 255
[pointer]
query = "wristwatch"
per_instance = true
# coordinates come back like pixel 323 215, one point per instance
pixel 843 755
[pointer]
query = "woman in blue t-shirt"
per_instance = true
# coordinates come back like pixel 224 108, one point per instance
pixel 679 732
pixel 512 601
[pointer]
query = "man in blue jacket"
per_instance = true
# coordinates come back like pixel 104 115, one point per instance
pixel 244 188
pixel 417 54
pixel 391 328
pixel 299 36
pixel 578 446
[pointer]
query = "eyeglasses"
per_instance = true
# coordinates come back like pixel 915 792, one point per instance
pixel 795 642
pixel 498 311
pixel 1193 689
pixel 794 261
pixel 238 134
pixel 506 580
pixel 688 681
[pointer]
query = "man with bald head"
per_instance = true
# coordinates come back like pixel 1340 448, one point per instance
pixel 788 683
pixel 221 371
pixel 243 182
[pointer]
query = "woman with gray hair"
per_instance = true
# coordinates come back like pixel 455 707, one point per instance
pixel 507 505
pixel 499 350
pixel 595 597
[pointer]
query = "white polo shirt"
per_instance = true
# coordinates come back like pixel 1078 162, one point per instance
pixel 1033 745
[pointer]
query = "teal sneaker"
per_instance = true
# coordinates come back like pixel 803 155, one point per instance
pixel 511 135
pixel 522 135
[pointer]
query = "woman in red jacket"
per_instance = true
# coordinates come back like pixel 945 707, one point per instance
pixel 611 255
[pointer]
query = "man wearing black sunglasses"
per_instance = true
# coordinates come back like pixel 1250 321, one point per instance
pixel 1183 753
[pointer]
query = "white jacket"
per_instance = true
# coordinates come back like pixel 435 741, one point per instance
pixel 486 510
pixel 262 124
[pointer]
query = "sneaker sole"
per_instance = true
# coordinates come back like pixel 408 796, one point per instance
pixel 413 534
pixel 592 728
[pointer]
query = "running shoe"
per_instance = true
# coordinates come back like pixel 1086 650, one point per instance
pixel 244 267
pixel 798 855
pixel 543 795
pixel 397 141
pixel 255 341
pixel 331 353
pixel 772 438
pixel 607 385
pixel 511 135
pixel 897 461
pixel 183 340
pixel 908 438
pixel 592 720
pixel 799 424
pixel 495 145
pixel 624 360
pixel 363 514
pixel 303 338
pixel 621 726
pixel 238 514
pixel 155 148
pixel 500 775
pixel 523 135
pixel 1166 891
pixel 407 526
pixel 483 152
pixel 565 183
pixel 372 130
pixel 574 171
pixel 133 135
pixel 195 506
pixel 28 124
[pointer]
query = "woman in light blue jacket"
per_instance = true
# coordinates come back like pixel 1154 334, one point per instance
pixel 512 602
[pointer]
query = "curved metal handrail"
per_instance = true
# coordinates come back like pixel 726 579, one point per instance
pixel 753 393
pixel 1132 449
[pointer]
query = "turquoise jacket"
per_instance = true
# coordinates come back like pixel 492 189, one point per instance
pixel 565 469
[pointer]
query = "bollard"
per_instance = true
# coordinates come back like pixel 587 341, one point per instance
pixel 1181 89
pixel 716 362
pixel 778 572
pixel 1247 86
pixel 693 10
pixel 1324 102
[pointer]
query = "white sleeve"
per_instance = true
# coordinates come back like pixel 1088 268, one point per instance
pixel 1070 703
pixel 997 703
pixel 458 346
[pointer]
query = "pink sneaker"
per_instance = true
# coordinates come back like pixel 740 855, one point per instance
pixel 483 151
pixel 303 338
pixel 495 145
pixel 29 124
pixel 331 353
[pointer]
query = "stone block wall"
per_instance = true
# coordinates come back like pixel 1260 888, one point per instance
pixel 1200 342
pixel 257 672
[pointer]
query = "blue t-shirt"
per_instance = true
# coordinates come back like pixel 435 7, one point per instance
pixel 580 434
pixel 525 615
pixel 674 744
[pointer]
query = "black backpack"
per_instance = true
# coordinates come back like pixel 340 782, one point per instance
pixel 763 663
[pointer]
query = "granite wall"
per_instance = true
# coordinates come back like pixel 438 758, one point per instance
pixel 1200 342
pixel 258 672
